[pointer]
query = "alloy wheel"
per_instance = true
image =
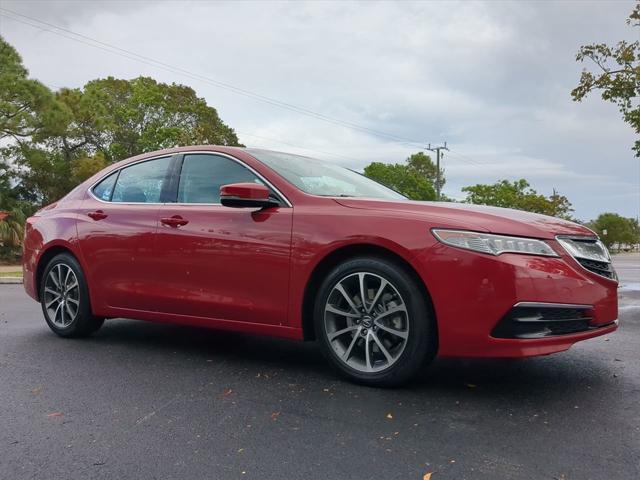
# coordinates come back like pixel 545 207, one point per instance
pixel 366 322
pixel 61 295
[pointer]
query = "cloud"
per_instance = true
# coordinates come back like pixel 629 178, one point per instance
pixel 490 78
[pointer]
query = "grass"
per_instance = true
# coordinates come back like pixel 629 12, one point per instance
pixel 12 273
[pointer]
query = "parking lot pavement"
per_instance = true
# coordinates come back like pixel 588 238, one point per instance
pixel 142 400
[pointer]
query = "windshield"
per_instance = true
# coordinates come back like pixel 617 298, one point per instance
pixel 322 178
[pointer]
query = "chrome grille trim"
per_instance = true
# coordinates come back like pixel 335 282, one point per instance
pixel 597 267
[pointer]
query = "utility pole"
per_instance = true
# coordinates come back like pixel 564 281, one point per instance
pixel 438 180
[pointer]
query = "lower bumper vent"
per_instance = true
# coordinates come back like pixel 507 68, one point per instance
pixel 531 320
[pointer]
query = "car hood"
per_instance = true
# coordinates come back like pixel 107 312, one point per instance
pixel 498 220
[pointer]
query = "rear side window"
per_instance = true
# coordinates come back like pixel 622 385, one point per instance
pixel 104 189
pixel 142 182
pixel 202 176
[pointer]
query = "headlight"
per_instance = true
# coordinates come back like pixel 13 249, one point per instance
pixel 585 247
pixel 493 244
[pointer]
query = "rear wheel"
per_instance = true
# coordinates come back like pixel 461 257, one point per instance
pixel 374 322
pixel 64 297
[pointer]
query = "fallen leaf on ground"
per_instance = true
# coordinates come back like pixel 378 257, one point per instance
pixel 275 415
pixel 427 476
pixel 55 414
pixel 227 392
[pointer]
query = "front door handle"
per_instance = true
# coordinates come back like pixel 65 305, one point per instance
pixel 97 215
pixel 175 221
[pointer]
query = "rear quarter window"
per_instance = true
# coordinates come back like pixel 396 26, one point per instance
pixel 104 189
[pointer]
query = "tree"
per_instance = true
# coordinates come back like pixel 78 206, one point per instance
pixel 27 107
pixel 11 228
pixel 422 164
pixel 12 216
pixel 617 75
pixel 109 120
pixel 518 195
pixel 615 229
pixel 415 178
pixel 44 175
pixel 123 118
pixel 402 179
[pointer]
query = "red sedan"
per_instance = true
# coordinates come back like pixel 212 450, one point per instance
pixel 278 244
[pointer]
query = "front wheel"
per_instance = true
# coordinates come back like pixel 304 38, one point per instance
pixel 374 322
pixel 64 297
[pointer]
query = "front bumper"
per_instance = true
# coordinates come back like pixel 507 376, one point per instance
pixel 476 295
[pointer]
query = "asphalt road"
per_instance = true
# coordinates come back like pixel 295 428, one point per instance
pixel 144 401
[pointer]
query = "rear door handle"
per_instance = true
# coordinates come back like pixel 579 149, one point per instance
pixel 97 215
pixel 175 221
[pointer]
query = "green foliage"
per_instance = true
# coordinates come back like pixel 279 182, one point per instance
pixel 44 174
pixel 27 107
pixel 12 216
pixel 422 164
pixel 123 118
pixel 518 195
pixel 11 227
pixel 415 178
pixel 617 76
pixel 619 230
pixel 84 167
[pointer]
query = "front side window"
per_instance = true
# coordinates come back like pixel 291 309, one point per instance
pixel 203 174
pixel 142 182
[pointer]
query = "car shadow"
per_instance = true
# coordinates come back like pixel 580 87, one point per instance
pixel 540 376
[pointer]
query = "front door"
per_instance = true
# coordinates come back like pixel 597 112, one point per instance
pixel 220 262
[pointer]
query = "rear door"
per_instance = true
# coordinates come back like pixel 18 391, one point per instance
pixel 221 262
pixel 117 234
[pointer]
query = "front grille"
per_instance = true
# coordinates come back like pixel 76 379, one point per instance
pixel 543 320
pixel 601 268
pixel 590 253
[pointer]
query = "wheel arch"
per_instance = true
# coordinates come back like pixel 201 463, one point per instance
pixel 45 258
pixel 341 254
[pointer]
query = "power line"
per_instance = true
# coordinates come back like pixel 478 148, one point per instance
pixel 92 42
pixel 466 159
pixel 165 66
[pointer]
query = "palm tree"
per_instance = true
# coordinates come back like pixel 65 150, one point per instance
pixel 12 227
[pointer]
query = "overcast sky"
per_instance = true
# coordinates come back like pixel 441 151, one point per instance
pixel 490 78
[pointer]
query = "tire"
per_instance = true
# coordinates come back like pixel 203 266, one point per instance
pixel 64 297
pixel 348 330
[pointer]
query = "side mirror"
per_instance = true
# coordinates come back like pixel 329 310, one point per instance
pixel 246 195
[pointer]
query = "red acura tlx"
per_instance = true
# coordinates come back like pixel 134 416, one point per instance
pixel 277 244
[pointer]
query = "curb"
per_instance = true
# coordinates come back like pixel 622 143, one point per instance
pixel 10 280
